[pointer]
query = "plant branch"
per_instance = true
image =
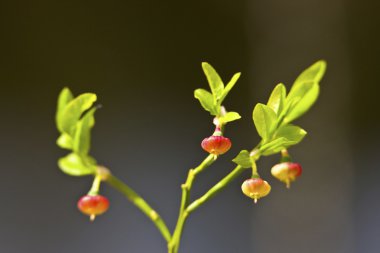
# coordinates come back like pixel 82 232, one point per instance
pixel 186 188
pixel 138 201
pixel 215 189
pixel 255 155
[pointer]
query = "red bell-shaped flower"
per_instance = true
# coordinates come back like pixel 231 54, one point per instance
pixel 287 172
pixel 216 145
pixel 93 205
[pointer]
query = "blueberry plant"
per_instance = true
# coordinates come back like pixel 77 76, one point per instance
pixel 273 122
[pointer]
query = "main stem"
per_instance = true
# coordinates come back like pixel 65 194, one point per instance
pixel 173 245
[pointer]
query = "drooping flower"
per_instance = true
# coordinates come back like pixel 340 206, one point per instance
pixel 287 172
pixel 93 205
pixel 255 188
pixel 216 145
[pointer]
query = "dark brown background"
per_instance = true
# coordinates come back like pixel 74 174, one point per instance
pixel 143 60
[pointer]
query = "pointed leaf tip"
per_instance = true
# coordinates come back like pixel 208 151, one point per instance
pixel 214 80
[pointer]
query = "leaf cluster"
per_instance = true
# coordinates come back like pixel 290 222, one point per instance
pixel 74 120
pixel 273 120
pixel 212 101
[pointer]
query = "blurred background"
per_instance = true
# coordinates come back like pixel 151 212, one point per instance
pixel 143 60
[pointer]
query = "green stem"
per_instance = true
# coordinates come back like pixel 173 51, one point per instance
pixel 255 155
pixel 215 189
pixel 95 185
pixel 140 203
pixel 173 245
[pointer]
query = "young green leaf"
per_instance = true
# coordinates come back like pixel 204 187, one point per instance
pixel 73 111
pixel 277 98
pixel 65 141
pixel 207 101
pixel 65 96
pixel 265 120
pixel 304 103
pixel 82 138
pixel 306 88
pixel 288 107
pixel 285 137
pixel 214 80
pixel 228 87
pixel 292 133
pixel 73 165
pixel 229 116
pixel 312 74
pixel 275 146
pixel 243 159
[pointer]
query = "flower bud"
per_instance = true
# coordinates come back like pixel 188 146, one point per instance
pixel 287 172
pixel 255 188
pixel 216 145
pixel 93 205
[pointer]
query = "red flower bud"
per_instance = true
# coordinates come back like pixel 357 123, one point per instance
pixel 93 205
pixel 255 188
pixel 287 172
pixel 216 145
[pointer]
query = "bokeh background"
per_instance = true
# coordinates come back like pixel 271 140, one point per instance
pixel 143 60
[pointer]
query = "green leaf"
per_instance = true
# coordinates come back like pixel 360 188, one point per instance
pixel 312 74
pixel 74 110
pixel 214 80
pixel 277 98
pixel 229 86
pixel 65 141
pixel 74 165
pixel 243 159
pixel 304 103
pixel 82 138
pixel 65 96
pixel 275 146
pixel 285 137
pixel 265 120
pixel 289 105
pixel 229 116
pixel 292 133
pixel 207 101
pixel 306 88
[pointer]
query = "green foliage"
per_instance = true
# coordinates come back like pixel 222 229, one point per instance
pixel 265 120
pixel 306 88
pixel 64 98
pixel 229 117
pixel 212 102
pixel 229 86
pixel 285 137
pixel 277 99
pixel 272 120
pixel 75 119
pixel 291 132
pixel 243 159
pixel 73 111
pixel 65 141
pixel 75 165
pixel 82 138
pixel 207 101
pixel 214 80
